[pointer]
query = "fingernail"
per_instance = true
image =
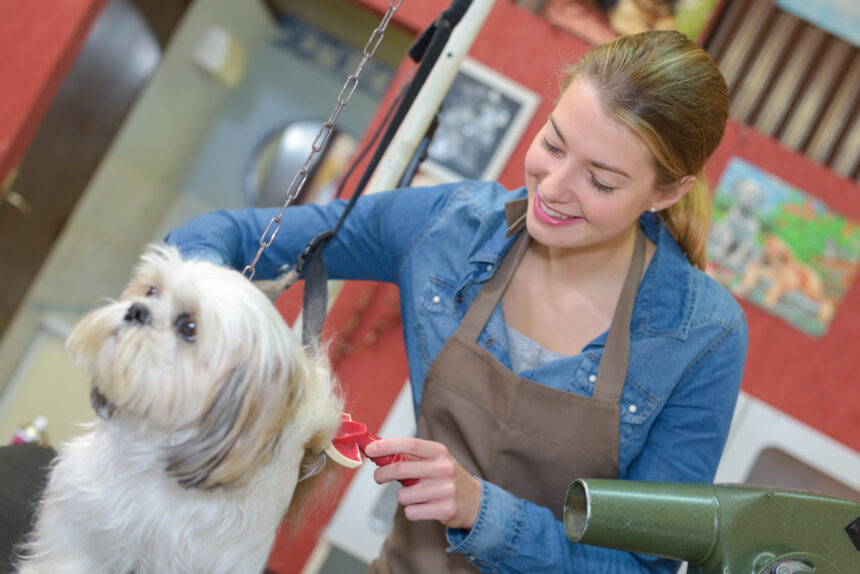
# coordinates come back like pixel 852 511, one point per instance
pixel 371 449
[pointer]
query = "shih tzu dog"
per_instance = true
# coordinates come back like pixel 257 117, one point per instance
pixel 211 413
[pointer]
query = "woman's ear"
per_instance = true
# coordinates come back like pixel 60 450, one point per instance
pixel 676 192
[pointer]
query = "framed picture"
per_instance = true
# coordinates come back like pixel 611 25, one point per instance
pixel 781 248
pixel 481 121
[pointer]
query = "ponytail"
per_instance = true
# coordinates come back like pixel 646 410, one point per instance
pixel 689 219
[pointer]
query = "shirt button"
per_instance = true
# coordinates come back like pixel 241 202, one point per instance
pixel 490 267
pixel 436 299
pixel 490 341
pixel 632 408
pixel 459 298
pixel 592 378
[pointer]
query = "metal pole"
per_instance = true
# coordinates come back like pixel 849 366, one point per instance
pixel 402 147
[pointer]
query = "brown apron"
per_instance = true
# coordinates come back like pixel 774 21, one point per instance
pixel 530 439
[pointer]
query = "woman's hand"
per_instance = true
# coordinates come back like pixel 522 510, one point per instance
pixel 444 492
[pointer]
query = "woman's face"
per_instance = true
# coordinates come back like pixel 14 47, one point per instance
pixel 588 177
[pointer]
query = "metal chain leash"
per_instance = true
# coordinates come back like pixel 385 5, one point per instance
pixel 299 180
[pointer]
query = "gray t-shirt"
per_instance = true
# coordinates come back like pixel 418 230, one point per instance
pixel 526 354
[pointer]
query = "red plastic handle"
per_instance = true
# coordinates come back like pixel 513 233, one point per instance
pixel 384 460
pixel 353 433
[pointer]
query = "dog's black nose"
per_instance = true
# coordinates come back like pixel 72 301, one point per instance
pixel 137 313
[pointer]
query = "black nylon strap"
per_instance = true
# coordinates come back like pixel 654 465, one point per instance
pixel 315 300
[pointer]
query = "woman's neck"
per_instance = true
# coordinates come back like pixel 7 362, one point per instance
pixel 565 298
pixel 594 267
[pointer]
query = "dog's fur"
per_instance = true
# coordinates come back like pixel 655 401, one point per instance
pixel 211 410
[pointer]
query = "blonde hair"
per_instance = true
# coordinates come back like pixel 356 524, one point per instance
pixel 668 91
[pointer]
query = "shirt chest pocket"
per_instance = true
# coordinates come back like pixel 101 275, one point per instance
pixel 438 316
pixel 638 403
pixel 638 411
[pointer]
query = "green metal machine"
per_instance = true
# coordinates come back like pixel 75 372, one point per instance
pixel 722 529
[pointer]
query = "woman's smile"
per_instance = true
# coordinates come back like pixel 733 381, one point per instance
pixel 550 216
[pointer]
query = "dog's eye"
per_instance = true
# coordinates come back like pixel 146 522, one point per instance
pixel 187 327
pixel 151 292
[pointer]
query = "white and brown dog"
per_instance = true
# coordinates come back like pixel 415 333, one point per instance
pixel 211 412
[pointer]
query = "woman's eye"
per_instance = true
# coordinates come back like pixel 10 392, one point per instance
pixel 548 146
pixel 186 326
pixel 599 186
pixel 151 292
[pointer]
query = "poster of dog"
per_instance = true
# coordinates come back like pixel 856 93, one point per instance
pixel 780 248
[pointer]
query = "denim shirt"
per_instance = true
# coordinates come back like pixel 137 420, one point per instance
pixel 688 341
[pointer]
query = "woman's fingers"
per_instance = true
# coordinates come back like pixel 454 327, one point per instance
pixel 444 491
pixel 424 459
pixel 417 470
pixel 406 445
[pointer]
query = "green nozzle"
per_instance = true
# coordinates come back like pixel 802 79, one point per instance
pixel 716 528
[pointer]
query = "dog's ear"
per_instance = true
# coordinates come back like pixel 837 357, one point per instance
pixel 235 435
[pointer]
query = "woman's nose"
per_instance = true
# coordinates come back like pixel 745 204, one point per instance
pixel 556 186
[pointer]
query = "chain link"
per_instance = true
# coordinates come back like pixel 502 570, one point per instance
pixel 343 98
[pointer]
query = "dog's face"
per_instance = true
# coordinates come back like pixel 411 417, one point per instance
pixel 195 348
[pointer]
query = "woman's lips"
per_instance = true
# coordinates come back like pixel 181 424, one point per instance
pixel 550 216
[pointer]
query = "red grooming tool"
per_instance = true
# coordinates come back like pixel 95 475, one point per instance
pixel 347 447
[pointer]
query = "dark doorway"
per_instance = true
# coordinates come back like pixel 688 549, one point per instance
pixel 120 55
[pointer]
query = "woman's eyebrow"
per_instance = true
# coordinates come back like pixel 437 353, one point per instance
pixel 605 167
pixel 555 127
pixel 597 164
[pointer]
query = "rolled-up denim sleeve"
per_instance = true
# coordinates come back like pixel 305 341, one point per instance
pixel 513 535
pixel 368 245
pixel 232 238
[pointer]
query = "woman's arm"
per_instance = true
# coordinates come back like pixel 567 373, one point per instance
pixel 687 439
pixel 369 245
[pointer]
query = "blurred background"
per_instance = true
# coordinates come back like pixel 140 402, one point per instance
pixel 119 119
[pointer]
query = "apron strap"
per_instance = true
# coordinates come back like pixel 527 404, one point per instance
pixel 613 366
pixel 491 293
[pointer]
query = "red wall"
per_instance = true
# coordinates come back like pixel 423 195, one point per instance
pixel 38 45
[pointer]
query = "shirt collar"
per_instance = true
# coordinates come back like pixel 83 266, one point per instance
pixel 515 215
pixel 667 295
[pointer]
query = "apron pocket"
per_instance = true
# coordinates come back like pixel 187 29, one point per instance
pixel 551 437
pixel 540 471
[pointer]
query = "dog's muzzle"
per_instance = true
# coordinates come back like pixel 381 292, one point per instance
pixel 138 314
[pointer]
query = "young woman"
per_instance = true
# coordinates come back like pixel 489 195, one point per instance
pixel 560 330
